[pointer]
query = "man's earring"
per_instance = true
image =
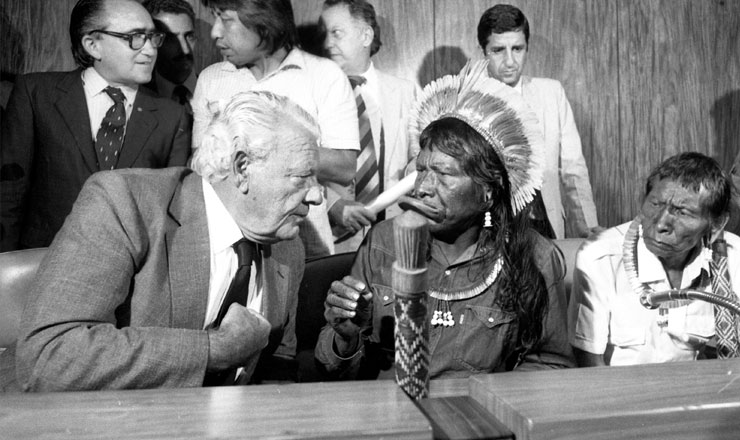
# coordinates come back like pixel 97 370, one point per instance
pixel 487 223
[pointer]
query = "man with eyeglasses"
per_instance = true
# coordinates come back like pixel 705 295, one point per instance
pixel 174 76
pixel 503 35
pixel 61 127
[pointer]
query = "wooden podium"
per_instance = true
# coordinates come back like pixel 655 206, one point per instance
pixel 682 400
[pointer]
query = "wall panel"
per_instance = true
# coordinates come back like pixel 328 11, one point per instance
pixel 679 88
pixel 645 78
pixel 34 36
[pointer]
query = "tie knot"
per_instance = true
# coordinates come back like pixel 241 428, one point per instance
pixel 357 80
pixel 180 93
pixel 244 251
pixel 115 94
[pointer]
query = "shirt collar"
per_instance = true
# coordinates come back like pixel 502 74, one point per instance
pixel 518 86
pixel 650 269
pixel 96 84
pixel 473 252
pixel 165 87
pixel 371 83
pixel 294 60
pixel 223 231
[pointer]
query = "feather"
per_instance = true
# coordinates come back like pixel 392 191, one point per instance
pixel 498 113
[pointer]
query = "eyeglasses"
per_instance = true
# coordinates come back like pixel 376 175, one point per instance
pixel 137 40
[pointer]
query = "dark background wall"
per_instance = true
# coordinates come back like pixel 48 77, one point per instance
pixel 646 78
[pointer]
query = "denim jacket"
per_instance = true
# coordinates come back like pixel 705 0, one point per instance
pixel 483 339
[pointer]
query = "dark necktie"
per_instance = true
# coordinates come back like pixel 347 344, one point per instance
pixel 181 94
pixel 725 322
pixel 367 180
pixel 237 293
pixel 109 139
pixel 239 287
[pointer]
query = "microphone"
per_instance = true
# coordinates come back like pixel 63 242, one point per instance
pixel 409 282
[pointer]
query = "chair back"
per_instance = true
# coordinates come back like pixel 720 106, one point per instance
pixel 317 278
pixel 17 271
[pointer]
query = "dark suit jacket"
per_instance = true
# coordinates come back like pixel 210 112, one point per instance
pixel 48 152
pixel 120 300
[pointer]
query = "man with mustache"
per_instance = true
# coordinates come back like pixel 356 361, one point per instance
pixel 61 127
pixel 179 277
pixel 174 76
pixel 676 242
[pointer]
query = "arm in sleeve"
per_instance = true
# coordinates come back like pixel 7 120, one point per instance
pixel 346 368
pixel 337 119
pixel 202 113
pixel 181 143
pixel 588 312
pixel 16 158
pixel 578 202
pixel 553 351
pixel 75 333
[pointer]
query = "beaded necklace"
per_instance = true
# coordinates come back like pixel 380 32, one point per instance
pixel 444 316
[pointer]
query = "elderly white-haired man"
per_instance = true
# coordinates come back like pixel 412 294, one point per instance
pixel 146 284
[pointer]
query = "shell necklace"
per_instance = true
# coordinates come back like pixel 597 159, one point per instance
pixel 629 252
pixel 442 315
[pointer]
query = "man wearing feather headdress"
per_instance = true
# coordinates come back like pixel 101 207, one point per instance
pixel 496 302
pixel 503 35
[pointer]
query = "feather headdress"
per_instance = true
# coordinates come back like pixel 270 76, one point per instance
pixel 498 113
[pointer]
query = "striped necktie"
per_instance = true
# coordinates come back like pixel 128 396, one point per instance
pixel 367 179
pixel 109 139
pixel 725 322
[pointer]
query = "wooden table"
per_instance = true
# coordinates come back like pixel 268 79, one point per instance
pixel 686 400
pixel 682 400
pixel 330 410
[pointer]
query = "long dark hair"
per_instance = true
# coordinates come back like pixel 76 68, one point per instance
pixel 523 289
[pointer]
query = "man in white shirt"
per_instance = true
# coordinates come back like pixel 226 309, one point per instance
pixel 352 38
pixel 258 41
pixel 676 242
pixel 503 35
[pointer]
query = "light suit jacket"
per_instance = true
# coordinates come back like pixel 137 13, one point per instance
pixel 120 300
pixel 48 152
pixel 397 98
pixel 566 189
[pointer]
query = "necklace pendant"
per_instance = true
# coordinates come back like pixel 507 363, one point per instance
pixel 449 320
pixel 436 318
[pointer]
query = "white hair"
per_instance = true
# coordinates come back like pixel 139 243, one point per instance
pixel 251 122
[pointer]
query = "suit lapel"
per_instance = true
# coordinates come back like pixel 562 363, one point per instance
pixel 140 126
pixel 188 250
pixel 275 280
pixel 72 107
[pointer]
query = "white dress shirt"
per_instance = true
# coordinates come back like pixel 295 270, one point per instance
pixel 223 232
